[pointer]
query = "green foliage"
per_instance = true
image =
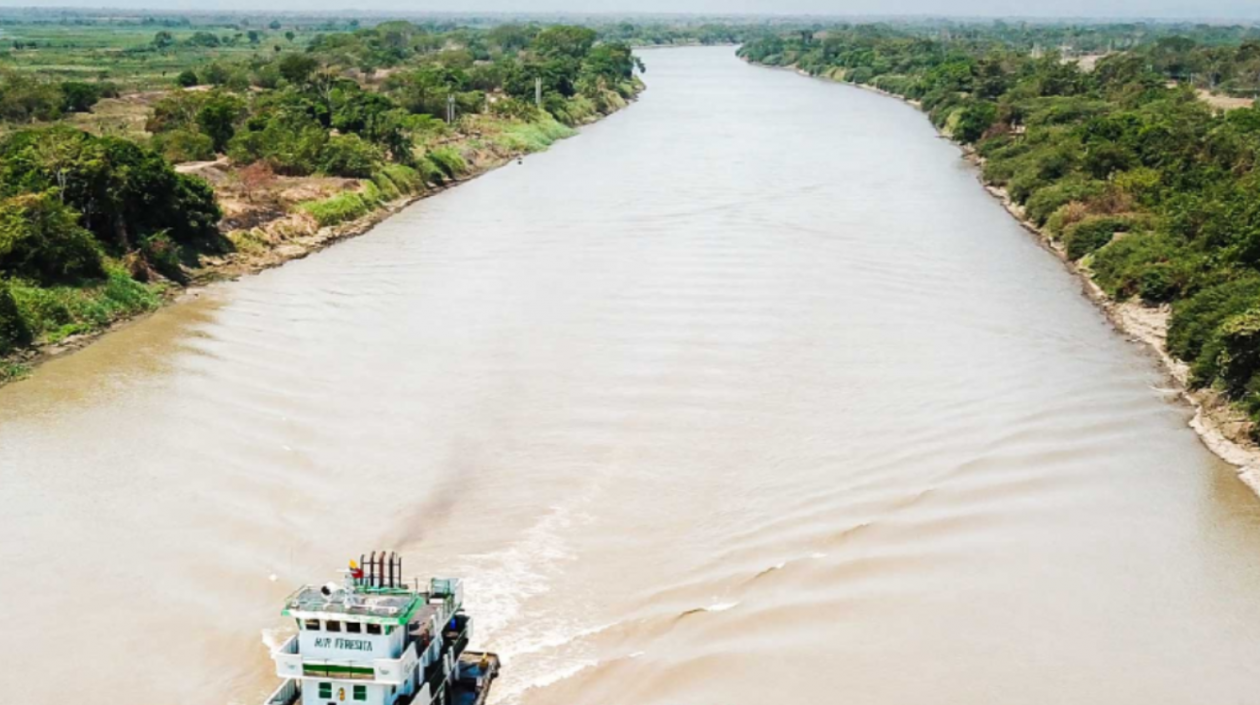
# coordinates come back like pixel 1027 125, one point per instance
pixel 26 99
pixel 337 209
pixel 1237 361
pixel 40 239
pixel 163 255
pixel 79 97
pixel 1083 237
pixel 289 139
pixel 218 117
pixel 179 146
pixel 448 160
pixel 1153 266
pixel 297 68
pixel 121 190
pixel 53 313
pixel 14 331
pixel 385 187
pixel 974 120
pixel 404 178
pixel 350 156
pixel 1196 320
pixel 1047 199
pixel 533 136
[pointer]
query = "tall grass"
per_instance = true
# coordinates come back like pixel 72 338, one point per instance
pixel 337 209
pixel 51 314
pixel 532 136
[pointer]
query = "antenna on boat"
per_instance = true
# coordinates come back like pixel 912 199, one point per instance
pixel 391 569
pixel 372 570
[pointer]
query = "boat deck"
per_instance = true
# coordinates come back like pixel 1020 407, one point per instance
pixel 477 671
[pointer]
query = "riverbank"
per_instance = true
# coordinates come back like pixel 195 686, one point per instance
pixel 288 219
pixel 1221 425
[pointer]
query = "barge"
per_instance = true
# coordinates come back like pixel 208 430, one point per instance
pixel 373 639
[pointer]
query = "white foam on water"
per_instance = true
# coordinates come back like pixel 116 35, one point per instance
pixel 274 638
pixel 721 606
pixel 501 581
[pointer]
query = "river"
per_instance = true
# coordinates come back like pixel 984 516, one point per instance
pixel 748 394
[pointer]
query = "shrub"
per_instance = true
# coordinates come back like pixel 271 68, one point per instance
pixel 448 160
pixel 163 255
pixel 1195 320
pixel 40 239
pixel 14 333
pixel 289 139
pixel 1239 358
pixel 1121 266
pixel 371 195
pixel 387 189
pixel 1093 232
pixel 338 209
pixel 1045 200
pixel 52 313
pixel 406 179
pixel 184 146
pixel 974 120
pixel 79 97
pixel 187 78
pixel 350 156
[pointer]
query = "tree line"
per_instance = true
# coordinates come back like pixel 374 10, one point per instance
pixel 1152 189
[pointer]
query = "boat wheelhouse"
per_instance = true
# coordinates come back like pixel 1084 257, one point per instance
pixel 375 640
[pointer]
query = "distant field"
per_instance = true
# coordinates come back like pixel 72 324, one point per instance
pixel 127 54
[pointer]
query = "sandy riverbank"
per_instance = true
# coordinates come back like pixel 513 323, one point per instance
pixel 1221 426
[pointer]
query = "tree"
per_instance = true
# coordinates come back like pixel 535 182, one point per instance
pixel 564 40
pixel 350 156
pixel 275 25
pixel 122 190
pixel 218 117
pixel 204 39
pixel 163 40
pixel 79 97
pixel 216 74
pixel 290 35
pixel 41 239
pixel 23 98
pixel 297 68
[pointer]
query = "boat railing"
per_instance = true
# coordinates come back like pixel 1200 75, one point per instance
pixel 396 670
pixel 288 659
pixel 289 692
pixel 431 653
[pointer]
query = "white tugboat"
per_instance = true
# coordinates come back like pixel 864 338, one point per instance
pixel 374 640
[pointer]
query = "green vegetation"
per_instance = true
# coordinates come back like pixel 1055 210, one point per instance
pixel 95 222
pixel 1125 165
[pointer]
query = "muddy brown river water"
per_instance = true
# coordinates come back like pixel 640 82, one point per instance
pixel 749 394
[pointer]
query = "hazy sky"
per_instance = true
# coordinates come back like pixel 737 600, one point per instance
pixel 1207 9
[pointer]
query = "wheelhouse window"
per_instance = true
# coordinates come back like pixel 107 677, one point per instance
pixel 332 625
pixel 311 625
pixel 325 690
pixel 354 627
pixel 373 629
pixel 360 692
